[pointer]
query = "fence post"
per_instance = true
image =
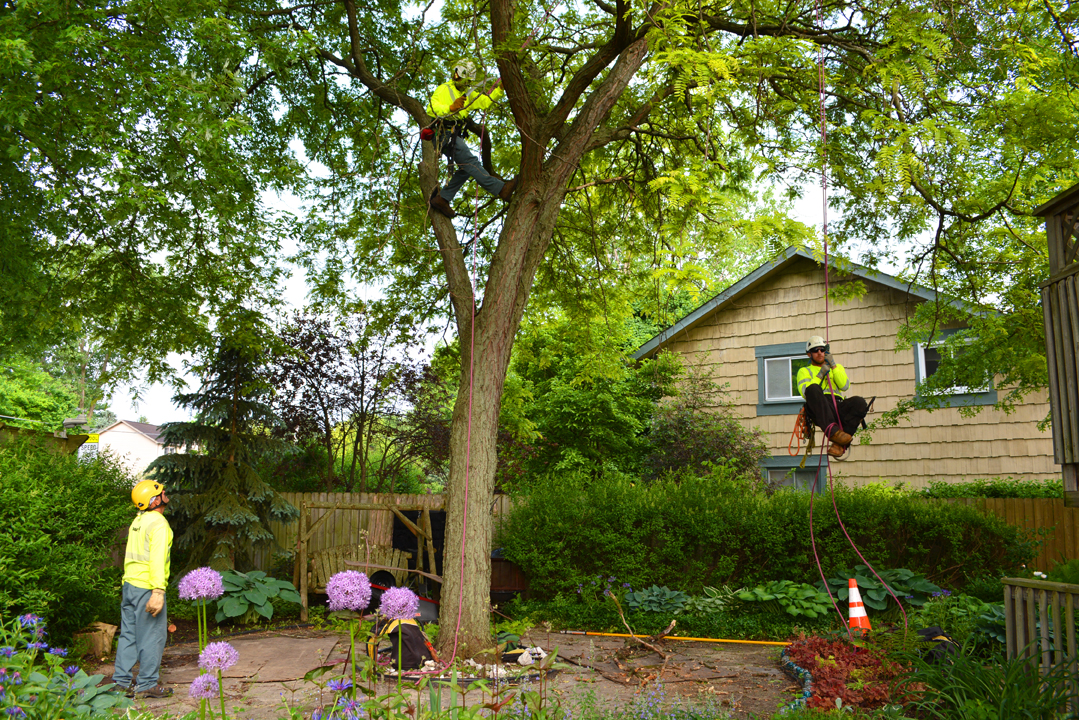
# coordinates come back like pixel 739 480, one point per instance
pixel 301 557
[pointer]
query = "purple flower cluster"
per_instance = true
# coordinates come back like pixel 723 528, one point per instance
pixel 37 646
pixel 399 603
pixel 349 590
pixel 201 584
pixel 30 620
pixel 204 687
pixel 339 684
pixel 218 656
pixel 942 593
pixel 58 651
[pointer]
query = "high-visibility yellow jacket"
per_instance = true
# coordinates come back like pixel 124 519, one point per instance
pixel 149 545
pixel 446 93
pixel 808 376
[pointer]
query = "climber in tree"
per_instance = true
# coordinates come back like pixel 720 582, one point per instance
pixel 822 385
pixel 450 105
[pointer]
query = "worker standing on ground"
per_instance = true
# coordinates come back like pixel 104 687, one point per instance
pixel 450 105
pixel 143 619
pixel 822 385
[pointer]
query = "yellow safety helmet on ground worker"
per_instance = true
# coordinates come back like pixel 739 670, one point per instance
pixel 144 492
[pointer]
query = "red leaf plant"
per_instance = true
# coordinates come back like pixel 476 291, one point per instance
pixel 858 676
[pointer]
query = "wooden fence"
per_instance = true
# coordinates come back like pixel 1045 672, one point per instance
pixel 1062 524
pixel 1039 618
pixel 343 526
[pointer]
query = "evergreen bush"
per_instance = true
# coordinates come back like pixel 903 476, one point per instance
pixel 997 487
pixel 687 532
pixel 59 519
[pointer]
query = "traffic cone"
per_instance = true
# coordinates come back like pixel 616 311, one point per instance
pixel 859 621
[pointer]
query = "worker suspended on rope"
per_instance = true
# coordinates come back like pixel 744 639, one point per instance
pixel 822 385
pixel 450 105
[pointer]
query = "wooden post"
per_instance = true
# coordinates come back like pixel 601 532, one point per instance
pixel 302 558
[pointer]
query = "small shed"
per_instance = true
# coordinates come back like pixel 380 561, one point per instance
pixel 1060 305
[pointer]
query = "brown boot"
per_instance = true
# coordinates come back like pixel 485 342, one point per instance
pixel 442 205
pixel 840 437
pixel 156 692
pixel 836 450
pixel 507 190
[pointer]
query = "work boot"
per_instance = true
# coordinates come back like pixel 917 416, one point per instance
pixel 154 693
pixel 442 205
pixel 840 437
pixel 507 190
pixel 836 450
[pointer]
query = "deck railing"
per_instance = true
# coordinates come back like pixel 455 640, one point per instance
pixel 1039 618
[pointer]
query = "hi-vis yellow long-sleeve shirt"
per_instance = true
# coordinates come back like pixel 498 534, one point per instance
pixel 808 376
pixel 149 545
pixel 446 93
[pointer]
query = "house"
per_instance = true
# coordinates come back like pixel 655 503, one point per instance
pixel 136 444
pixel 752 332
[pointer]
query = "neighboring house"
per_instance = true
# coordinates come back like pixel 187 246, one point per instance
pixel 754 331
pixel 136 444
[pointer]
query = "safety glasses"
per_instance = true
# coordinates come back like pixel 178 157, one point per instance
pixel 817 350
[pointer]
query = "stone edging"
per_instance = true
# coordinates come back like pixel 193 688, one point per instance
pixel 800 674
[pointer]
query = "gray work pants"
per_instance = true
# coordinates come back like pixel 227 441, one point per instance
pixel 468 165
pixel 142 639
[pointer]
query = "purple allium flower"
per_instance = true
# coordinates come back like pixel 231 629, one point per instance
pixel 58 651
pixel 349 590
pixel 399 603
pixel 29 620
pixel 218 656
pixel 201 584
pixel 7 651
pixel 204 687
pixel 339 684
pixel 71 669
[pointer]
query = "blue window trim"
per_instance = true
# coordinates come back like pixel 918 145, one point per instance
pixel 961 399
pixel 775 407
pixel 786 462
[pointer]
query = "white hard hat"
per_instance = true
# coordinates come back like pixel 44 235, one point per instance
pixel 815 341
pixel 465 69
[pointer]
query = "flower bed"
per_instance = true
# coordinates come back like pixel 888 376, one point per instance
pixel 858 676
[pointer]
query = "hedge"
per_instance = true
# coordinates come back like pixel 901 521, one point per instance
pixel 687 532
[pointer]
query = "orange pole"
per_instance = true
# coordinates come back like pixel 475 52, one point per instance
pixel 675 637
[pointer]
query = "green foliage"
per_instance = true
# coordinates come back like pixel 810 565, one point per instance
pixel 59 520
pixel 222 506
pixel 687 532
pixel 1065 572
pixel 43 689
pixel 967 619
pixel 968 687
pixel 711 601
pixel 657 599
pixel 910 587
pixel 797 599
pixel 249 595
pixel 997 487
pixel 28 392
pixel 987 588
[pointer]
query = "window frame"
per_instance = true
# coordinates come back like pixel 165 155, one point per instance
pixel 788 463
pixel 773 352
pixel 965 395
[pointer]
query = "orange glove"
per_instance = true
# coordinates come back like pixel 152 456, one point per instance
pixel 457 104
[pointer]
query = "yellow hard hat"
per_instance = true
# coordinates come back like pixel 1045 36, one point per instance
pixel 144 492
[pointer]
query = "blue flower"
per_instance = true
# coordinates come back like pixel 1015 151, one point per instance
pixel 339 684
pixel 16 711
pixel 29 620
pixel 71 669
pixel 626 585
pixel 7 651
pixel 37 646
pixel 58 651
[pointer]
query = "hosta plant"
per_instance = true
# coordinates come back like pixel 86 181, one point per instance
pixel 657 599
pixel 910 587
pixel 248 595
pixel 797 599
pixel 712 601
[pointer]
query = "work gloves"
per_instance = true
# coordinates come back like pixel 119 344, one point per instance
pixel 156 603
pixel 829 360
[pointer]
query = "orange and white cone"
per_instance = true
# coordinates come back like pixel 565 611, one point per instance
pixel 859 621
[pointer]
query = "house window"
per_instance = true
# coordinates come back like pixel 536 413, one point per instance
pixel 777 368
pixel 783 471
pixel 927 359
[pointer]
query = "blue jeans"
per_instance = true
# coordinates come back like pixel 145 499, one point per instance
pixel 142 639
pixel 468 165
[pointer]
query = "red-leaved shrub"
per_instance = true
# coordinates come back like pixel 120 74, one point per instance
pixel 858 676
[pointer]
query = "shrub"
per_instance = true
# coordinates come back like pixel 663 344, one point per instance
pixel 961 616
pixel 686 532
pixel 857 676
pixel 59 519
pixel 997 487
pixel 1065 572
